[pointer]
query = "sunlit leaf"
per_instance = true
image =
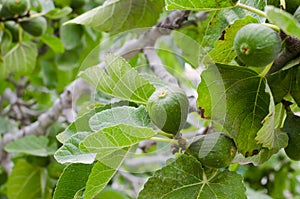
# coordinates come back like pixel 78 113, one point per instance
pixel 120 115
pixel 200 4
pixel 121 80
pixel 70 152
pixel 115 16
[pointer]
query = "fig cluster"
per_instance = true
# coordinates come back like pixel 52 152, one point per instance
pixel 16 14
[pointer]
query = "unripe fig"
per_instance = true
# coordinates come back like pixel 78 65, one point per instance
pixel 13 8
pixel 168 109
pixel 35 26
pixel 214 150
pixel 257 45
pixel 13 29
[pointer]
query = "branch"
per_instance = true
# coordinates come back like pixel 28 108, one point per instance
pixel 290 52
pixel 45 120
pixel 157 66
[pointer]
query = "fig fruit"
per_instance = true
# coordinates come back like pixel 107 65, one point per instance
pixel 13 29
pixel 257 45
pixel 13 8
pixel 215 150
pixel 168 109
pixel 35 26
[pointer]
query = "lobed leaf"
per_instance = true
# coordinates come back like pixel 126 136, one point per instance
pixel 121 80
pixel 184 178
pixel 237 101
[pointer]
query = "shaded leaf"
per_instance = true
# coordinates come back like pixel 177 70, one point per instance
pixel 53 42
pixel 184 178
pixel 122 80
pixel 115 16
pixel 236 100
pixel 120 115
pixel 31 145
pixel 73 179
pixel 20 59
pixel 58 13
pixel 200 5
pixel 70 35
pixel 284 20
pixel 24 181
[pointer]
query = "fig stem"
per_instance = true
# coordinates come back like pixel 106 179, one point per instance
pixel 283 4
pixel 165 134
pixel 20 33
pixel 157 139
pixel 274 27
pixel 251 9
pixel 266 70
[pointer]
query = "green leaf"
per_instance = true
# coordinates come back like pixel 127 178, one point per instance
pixel 58 13
pixel 20 59
pixel 70 152
pixel 53 42
pixel 223 51
pixel 70 35
pixel 289 84
pixel 236 99
pixel 99 178
pixel 81 124
pixel 115 16
pixel 24 181
pixel 199 5
pixel 120 115
pixel 68 61
pixel 279 91
pixel 184 178
pixel 121 80
pixel 114 142
pixel 284 20
pixel 31 145
pixel 73 179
